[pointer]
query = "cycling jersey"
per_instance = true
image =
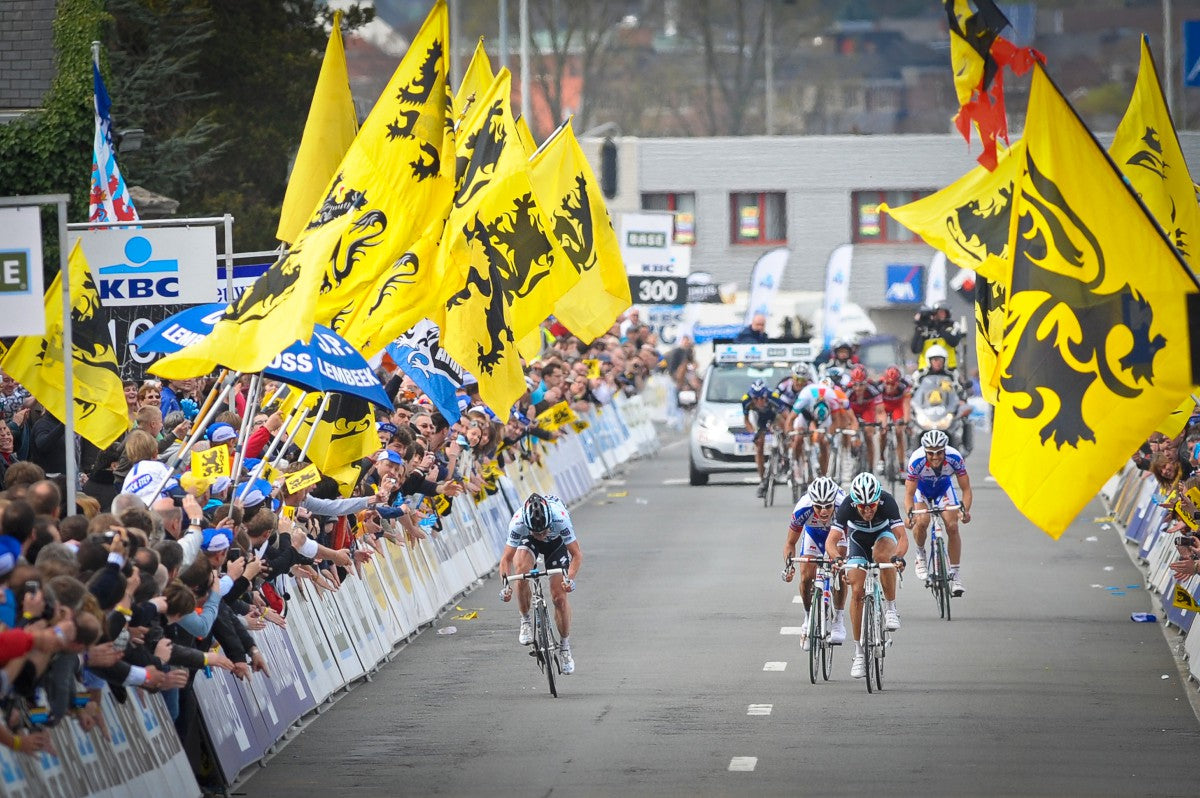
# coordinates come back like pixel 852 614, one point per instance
pixel 815 532
pixel 862 534
pixel 895 393
pixel 863 399
pixel 787 391
pixel 561 531
pixel 811 395
pixel 934 482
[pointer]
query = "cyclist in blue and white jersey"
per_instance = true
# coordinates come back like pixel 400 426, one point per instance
pixel 810 528
pixel 932 471
pixel 760 408
pixel 822 405
pixel 543 526
pixel 869 521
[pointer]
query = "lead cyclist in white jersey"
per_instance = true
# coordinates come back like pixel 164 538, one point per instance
pixel 543 526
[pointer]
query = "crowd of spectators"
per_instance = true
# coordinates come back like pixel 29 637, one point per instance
pixel 1175 465
pixel 140 588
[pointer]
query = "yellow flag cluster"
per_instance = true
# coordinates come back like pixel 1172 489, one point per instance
pixel 37 362
pixel 442 208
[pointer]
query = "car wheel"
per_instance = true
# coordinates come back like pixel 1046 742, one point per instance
pixel 696 477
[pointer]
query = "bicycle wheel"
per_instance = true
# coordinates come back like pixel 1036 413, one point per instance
pixel 879 648
pixel 546 655
pixel 943 568
pixel 826 645
pixel 870 634
pixel 816 634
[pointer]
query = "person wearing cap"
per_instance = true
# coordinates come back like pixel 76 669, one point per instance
pixel 386 431
pixel 222 434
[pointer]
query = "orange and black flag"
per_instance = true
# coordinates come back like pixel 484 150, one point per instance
pixel 978 56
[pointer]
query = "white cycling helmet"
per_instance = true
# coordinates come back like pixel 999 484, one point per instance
pixel 937 350
pixel 865 489
pixel 823 490
pixel 934 441
pixel 801 371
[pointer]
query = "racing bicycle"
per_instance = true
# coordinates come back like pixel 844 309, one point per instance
pixel 779 467
pixel 938 579
pixel 545 638
pixel 876 639
pixel 893 471
pixel 820 614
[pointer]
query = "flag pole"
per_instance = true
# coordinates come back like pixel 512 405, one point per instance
pixel 298 415
pixel 72 473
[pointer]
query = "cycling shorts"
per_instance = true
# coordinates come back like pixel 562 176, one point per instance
pixel 948 496
pixel 800 422
pixel 809 547
pixel 865 412
pixel 553 551
pixel 861 544
pixel 894 410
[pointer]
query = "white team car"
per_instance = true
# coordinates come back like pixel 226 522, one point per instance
pixel 719 442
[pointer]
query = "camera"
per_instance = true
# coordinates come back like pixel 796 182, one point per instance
pixel 234 553
pixel 1185 540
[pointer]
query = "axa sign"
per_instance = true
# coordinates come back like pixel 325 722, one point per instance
pixel 152 266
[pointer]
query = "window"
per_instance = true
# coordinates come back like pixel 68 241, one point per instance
pixel 758 218
pixel 683 205
pixel 872 227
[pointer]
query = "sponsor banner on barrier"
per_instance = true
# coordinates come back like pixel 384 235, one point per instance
pixel 232 734
pixel 285 696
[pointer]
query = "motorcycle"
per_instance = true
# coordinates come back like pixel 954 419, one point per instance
pixel 937 404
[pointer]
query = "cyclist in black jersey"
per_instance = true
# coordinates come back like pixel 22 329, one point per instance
pixel 869 528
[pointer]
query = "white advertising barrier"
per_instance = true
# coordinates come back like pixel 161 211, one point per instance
pixel 139 758
pixel 333 639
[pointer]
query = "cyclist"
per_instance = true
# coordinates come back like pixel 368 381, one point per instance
pixel 760 409
pixel 810 528
pixel 839 355
pixel 865 398
pixel 822 406
pixel 869 526
pixel 896 396
pixel 788 389
pixel 928 484
pixel 543 526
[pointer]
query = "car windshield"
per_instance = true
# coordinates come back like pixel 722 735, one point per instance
pixel 729 382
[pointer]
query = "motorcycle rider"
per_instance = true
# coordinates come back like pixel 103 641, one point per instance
pixel 944 381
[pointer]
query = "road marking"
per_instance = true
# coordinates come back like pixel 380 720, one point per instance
pixel 759 709
pixel 678 481
pixel 614 482
pixel 797 599
pixel 775 666
pixel 791 630
pixel 743 763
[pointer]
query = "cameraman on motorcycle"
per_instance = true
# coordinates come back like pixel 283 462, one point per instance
pixel 936 357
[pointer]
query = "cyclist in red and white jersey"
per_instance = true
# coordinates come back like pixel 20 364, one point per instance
pixel 824 406
pixel 865 400
pixel 896 397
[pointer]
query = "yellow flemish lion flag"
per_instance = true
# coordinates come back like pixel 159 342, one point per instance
pixel 36 361
pixel 345 431
pixel 503 269
pixel 969 221
pixel 389 189
pixel 330 128
pixel 475 83
pixel 568 190
pixel 1096 349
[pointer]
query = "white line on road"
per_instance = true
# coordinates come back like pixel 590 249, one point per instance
pixel 774 666
pixel 676 481
pixel 797 599
pixel 759 709
pixel 744 763
pixel 791 630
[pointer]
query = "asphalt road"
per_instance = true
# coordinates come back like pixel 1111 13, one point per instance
pixel 1041 685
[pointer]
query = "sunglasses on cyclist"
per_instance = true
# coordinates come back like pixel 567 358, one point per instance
pixel 823 507
pixel 867 506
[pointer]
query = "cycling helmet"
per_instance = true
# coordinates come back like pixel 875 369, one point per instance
pixel 823 490
pixel 758 389
pixel 858 375
pixel 801 371
pixel 934 441
pixel 536 513
pixel 834 374
pixel 820 411
pixel 937 350
pixel 865 489
pixel 840 343
pixel 891 375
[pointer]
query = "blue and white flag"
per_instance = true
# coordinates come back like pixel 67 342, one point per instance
pixel 837 291
pixel 419 355
pixel 764 282
pixel 109 200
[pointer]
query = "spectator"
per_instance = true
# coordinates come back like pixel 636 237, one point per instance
pixel 755 332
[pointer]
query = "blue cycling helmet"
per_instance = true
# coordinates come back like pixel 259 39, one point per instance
pixel 758 389
pixel 820 411
pixel 865 489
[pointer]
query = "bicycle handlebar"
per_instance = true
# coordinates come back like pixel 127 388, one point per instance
pixel 870 565
pixel 535 574
pixel 938 510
